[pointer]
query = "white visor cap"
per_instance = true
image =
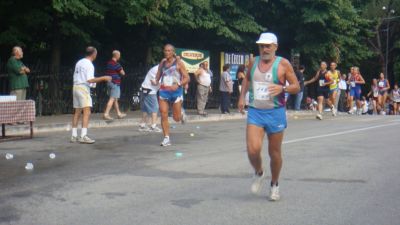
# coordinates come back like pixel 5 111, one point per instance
pixel 267 38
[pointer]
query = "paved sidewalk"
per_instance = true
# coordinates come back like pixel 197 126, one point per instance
pixel 63 122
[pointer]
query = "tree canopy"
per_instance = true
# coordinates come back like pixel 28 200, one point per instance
pixel 351 32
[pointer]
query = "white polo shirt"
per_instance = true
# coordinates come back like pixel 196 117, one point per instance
pixel 151 75
pixel 84 71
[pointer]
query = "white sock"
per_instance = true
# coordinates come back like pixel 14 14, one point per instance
pixel 153 125
pixel 74 132
pixel 167 137
pixel 84 132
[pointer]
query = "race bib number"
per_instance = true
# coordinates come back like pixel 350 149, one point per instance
pixel 168 81
pixel 261 91
pixel 353 83
pixel 321 83
pixel 381 84
pixel 376 93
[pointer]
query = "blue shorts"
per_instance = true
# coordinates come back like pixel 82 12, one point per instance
pixel 355 92
pixel 148 103
pixel 172 96
pixel 114 90
pixel 272 120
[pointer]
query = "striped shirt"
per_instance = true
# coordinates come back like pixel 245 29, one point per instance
pixel 112 69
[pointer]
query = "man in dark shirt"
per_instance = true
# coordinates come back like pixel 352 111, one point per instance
pixel 299 95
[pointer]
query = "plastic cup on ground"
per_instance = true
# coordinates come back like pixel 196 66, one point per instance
pixel 52 156
pixel 29 166
pixel 9 156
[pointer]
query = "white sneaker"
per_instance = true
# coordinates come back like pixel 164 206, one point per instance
pixel 274 193
pixel 166 142
pixel 155 129
pixel 351 112
pixel 334 111
pixel 86 140
pixel 319 116
pixel 74 139
pixel 144 129
pixel 258 183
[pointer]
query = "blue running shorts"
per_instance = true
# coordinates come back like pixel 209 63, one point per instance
pixel 272 120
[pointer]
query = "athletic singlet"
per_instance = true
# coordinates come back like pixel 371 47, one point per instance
pixel 375 91
pixel 169 76
pixel 259 96
pixel 382 84
pixel 335 77
pixel 353 80
pixel 322 79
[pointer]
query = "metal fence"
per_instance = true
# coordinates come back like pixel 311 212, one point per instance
pixel 53 92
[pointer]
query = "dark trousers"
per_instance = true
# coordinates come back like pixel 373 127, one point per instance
pixel 342 101
pixel 225 101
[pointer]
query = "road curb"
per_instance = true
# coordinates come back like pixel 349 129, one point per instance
pixel 99 123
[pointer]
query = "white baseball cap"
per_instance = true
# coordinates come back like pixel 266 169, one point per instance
pixel 267 38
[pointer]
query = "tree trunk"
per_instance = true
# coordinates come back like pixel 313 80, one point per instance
pixel 54 87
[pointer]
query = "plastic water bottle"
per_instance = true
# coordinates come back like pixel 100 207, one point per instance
pixel 178 154
pixel 29 166
pixel 52 156
pixel 9 156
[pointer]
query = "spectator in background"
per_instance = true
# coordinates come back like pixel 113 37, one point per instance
pixel 299 95
pixel 203 77
pixel 83 80
pixel 115 70
pixel 148 101
pixel 226 89
pixel 240 75
pixel 342 93
pixel 396 99
pixel 17 74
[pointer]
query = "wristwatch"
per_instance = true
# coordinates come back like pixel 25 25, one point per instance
pixel 284 88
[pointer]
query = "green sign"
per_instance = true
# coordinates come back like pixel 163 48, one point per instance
pixel 192 58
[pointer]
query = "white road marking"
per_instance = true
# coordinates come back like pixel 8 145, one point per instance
pixel 338 133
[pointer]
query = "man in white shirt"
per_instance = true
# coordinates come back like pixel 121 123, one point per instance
pixel 149 102
pixel 204 77
pixel 83 80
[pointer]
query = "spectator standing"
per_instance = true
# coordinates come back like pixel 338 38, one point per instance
pixel 148 101
pixel 342 87
pixel 114 70
pixel 299 95
pixel 83 80
pixel 240 75
pixel 17 74
pixel 226 89
pixel 204 79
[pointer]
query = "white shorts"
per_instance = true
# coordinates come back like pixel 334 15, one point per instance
pixel 81 96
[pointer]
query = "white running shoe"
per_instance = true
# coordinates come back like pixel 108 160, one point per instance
pixel 155 129
pixel 351 112
pixel 74 139
pixel 86 140
pixel 319 116
pixel 274 193
pixel 334 111
pixel 144 129
pixel 166 142
pixel 258 183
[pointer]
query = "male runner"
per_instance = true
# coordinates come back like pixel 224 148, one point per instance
pixel 265 80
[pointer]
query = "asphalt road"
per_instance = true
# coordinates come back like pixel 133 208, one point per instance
pixel 342 170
